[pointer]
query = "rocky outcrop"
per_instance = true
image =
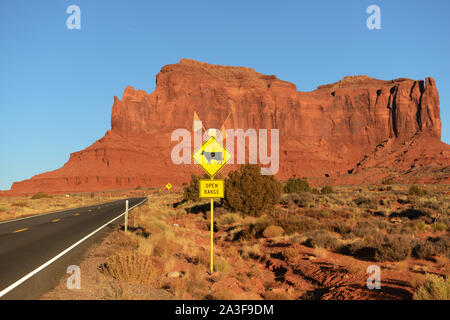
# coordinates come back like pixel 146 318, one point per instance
pixel 357 130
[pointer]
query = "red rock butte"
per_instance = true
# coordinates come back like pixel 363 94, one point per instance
pixel 358 130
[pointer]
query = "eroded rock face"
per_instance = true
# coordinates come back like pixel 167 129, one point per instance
pixel 357 130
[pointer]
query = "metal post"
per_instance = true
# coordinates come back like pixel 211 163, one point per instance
pixel 126 216
pixel 212 235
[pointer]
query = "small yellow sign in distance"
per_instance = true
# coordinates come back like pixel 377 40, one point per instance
pixel 211 188
pixel 168 186
pixel 211 156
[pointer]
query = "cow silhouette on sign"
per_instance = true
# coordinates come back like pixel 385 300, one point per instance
pixel 217 156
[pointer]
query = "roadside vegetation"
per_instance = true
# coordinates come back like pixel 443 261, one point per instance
pixel 279 240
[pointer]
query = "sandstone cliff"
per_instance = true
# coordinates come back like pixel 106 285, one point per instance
pixel 357 130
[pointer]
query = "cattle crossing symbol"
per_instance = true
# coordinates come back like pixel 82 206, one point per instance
pixel 212 156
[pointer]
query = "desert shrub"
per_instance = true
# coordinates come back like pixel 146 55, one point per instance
pixel 417 191
pixel 306 200
pixel 423 250
pixel 325 213
pixel 297 186
pixel 322 239
pixel 290 252
pixel 221 265
pixel 294 223
pixel 391 248
pixel 163 245
pixel 133 267
pixel 441 245
pixel 365 227
pixel 380 248
pixel 432 203
pixel 338 226
pixel 387 181
pixel 252 231
pixel 433 288
pixel 191 192
pixel 273 232
pixel 40 195
pixel 249 192
pixel 358 249
pixel 326 190
pixel 138 188
pixel 227 219
pixel 20 204
pixel 290 199
pixel 366 202
pixel 415 213
pixel 439 226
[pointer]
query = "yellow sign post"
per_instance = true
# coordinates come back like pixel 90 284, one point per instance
pixel 212 156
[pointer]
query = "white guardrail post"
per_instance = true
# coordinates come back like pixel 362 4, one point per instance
pixel 126 216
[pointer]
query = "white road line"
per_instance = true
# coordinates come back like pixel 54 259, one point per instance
pixel 32 273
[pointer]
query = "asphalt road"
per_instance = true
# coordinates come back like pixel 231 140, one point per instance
pixel 36 251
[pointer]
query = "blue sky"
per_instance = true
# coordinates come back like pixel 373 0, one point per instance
pixel 57 85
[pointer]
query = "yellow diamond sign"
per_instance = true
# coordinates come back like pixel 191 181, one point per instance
pixel 212 156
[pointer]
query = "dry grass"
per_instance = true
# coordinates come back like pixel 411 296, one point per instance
pixel 134 267
pixel 320 252
pixel 353 265
pixel 433 288
pixel 167 239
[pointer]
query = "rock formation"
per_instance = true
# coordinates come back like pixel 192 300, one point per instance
pixel 357 130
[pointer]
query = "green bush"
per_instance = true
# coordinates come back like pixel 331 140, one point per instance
pixel 40 195
pixel 290 199
pixel 387 181
pixel 441 245
pixel 417 191
pixel 249 192
pixel 381 248
pixel 433 288
pixel 273 232
pixel 294 223
pixel 392 248
pixel 424 250
pixel 228 219
pixel 366 202
pixel 297 186
pixel 326 190
pixel 322 239
pixel 191 192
